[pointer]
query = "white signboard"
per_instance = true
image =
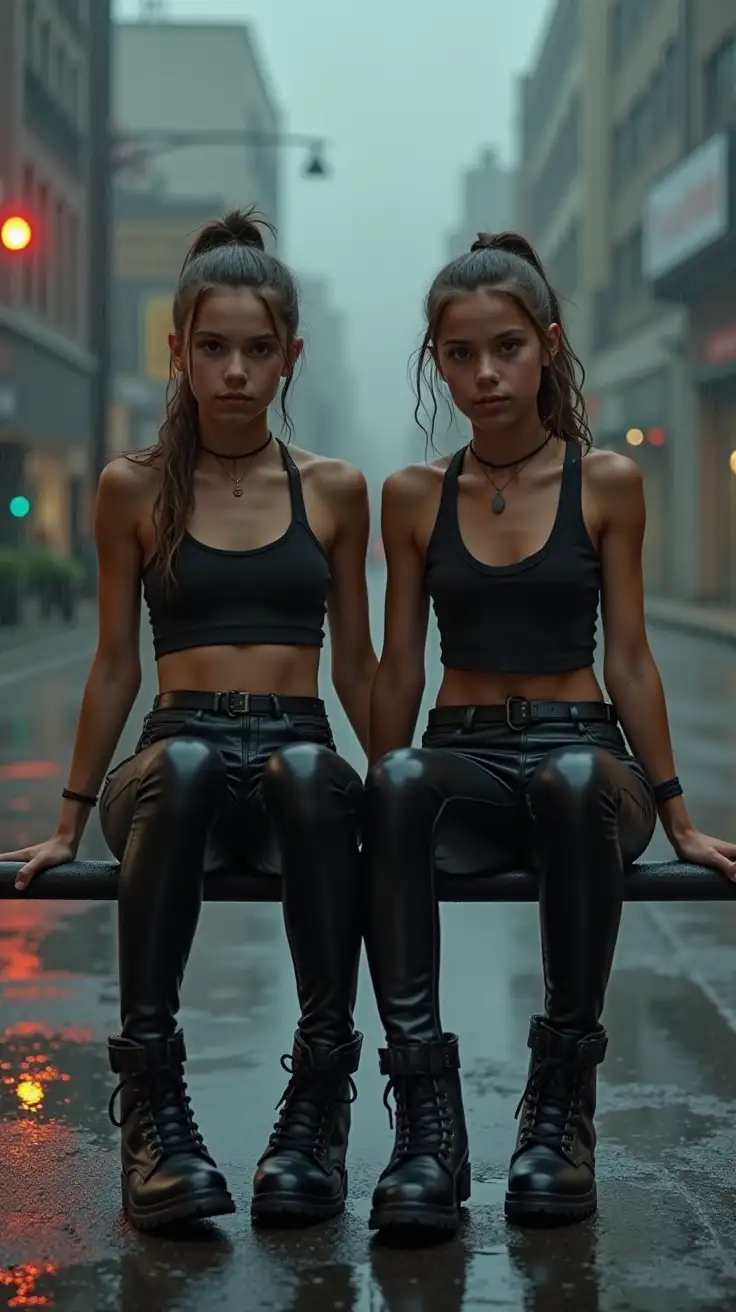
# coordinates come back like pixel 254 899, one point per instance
pixel 688 210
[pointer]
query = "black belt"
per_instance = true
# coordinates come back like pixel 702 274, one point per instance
pixel 517 713
pixel 239 703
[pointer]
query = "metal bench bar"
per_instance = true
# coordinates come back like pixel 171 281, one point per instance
pixel 647 881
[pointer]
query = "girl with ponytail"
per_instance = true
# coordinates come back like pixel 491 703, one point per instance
pixel 515 539
pixel 241 547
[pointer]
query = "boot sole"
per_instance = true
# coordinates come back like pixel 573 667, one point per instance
pixel 419 1216
pixel 195 1207
pixel 275 1208
pixel 550 1208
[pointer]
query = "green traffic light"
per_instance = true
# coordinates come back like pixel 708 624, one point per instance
pixel 20 507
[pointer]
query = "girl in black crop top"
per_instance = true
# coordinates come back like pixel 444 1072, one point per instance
pixel 241 548
pixel 514 539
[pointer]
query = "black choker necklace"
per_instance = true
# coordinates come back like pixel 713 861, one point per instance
pixel 498 503
pixel 246 455
pixel 491 464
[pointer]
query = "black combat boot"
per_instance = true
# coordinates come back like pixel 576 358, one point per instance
pixel 167 1174
pixel 428 1176
pixel 552 1173
pixel 302 1174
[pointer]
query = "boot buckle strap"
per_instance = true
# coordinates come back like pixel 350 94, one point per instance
pixel 419 1059
pixel 137 1058
pixel 592 1049
pixel 344 1060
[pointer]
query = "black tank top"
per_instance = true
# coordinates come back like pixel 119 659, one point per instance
pixel 535 617
pixel 272 594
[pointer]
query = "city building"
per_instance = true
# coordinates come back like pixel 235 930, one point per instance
pixel 557 118
pixel 321 402
pixel 625 122
pixel 689 263
pixel 48 122
pixel 205 78
pixel 487 203
pixel 151 235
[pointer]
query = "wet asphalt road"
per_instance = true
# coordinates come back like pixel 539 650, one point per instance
pixel 663 1238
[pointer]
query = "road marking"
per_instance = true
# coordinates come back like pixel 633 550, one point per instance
pixel 44 667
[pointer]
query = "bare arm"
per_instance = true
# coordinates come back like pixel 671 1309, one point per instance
pixel 630 672
pixel 399 681
pixel 115 674
pixel 353 658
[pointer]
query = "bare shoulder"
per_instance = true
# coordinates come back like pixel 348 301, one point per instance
pixel 414 484
pixel 124 479
pixel 610 474
pixel 333 478
pixel 125 496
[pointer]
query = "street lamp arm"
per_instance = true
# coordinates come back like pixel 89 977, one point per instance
pixel 159 141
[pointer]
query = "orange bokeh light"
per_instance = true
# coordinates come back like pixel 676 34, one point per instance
pixel 15 233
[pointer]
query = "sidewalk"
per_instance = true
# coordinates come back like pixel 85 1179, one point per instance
pixel 710 621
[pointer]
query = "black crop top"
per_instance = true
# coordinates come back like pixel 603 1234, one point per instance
pixel 534 617
pixel 273 594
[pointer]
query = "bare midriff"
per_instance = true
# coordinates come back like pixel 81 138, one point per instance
pixel 471 688
pixel 286 671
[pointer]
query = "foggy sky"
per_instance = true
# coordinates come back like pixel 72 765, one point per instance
pixel 406 91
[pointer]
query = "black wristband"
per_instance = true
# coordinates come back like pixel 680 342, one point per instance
pixel 70 796
pixel 665 792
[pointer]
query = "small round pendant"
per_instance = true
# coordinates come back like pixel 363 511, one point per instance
pixel 237 491
pixel 498 504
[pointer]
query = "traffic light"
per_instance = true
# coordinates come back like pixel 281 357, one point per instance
pixel 19 507
pixel 16 233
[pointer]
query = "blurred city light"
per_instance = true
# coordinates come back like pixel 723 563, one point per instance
pixel 15 233
pixel 19 507
pixel 732 462
pixel 634 437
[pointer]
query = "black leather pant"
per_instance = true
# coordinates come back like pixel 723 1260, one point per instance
pixel 566 800
pixel 211 791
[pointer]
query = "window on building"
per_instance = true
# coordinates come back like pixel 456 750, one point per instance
pixel 44 254
pixel 44 50
pixel 629 19
pixel 30 23
pixel 72 252
pixel 719 85
pixel 72 92
pixel 60 265
pixel 628 277
pixel 565 264
pixel 29 264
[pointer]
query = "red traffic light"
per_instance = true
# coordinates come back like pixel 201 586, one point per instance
pixel 15 233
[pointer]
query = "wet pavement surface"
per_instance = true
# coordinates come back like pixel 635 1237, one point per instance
pixel 663 1237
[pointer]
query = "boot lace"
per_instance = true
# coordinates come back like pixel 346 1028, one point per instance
pixel 165 1111
pixel 423 1122
pixel 306 1104
pixel 551 1104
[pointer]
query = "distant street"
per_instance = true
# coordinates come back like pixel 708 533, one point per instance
pixel 664 1237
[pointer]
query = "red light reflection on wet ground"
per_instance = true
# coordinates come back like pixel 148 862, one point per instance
pixel 24 927
pixel 27 1064
pixel 23 1279
pixel 30 770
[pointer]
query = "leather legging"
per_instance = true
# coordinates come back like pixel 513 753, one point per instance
pixel 564 799
pixel 206 792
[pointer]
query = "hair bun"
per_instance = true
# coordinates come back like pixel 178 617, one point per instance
pixel 237 228
pixel 513 243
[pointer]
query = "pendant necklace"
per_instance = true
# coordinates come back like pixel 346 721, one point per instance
pixel 498 503
pixel 237 479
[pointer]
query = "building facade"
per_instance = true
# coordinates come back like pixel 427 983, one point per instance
pixel 689 262
pixel 649 83
pixel 47 361
pixel 207 78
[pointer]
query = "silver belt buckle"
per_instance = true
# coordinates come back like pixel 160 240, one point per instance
pixel 238 703
pixel 522 705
